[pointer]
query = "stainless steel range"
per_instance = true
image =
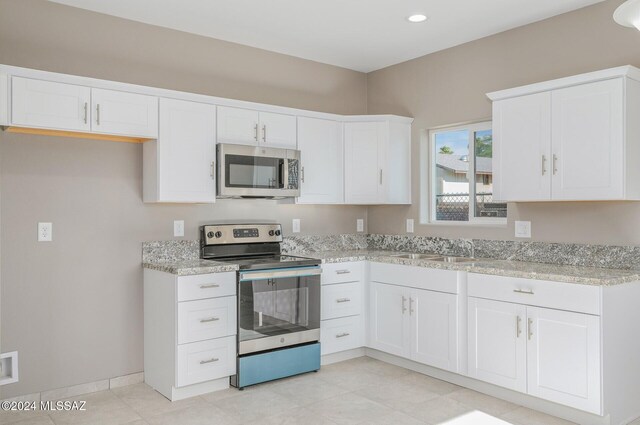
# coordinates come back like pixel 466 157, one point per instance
pixel 278 301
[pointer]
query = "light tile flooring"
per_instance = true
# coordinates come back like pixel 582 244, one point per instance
pixel 358 391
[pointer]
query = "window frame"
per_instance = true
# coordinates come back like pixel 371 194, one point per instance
pixel 429 181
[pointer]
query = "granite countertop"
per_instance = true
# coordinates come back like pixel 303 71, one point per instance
pixel 190 267
pixel 527 270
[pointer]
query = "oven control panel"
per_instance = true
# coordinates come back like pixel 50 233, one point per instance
pixel 219 234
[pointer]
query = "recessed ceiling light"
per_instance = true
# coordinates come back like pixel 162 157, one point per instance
pixel 417 18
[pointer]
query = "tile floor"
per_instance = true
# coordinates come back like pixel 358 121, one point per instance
pixel 359 391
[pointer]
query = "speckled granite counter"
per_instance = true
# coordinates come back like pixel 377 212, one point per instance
pixel 558 273
pixel 190 267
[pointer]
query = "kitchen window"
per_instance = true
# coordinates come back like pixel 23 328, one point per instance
pixel 460 178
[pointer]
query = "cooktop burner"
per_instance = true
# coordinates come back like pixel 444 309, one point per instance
pixel 270 261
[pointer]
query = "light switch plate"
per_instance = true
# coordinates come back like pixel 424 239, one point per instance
pixel 523 229
pixel 45 232
pixel 295 224
pixel 409 225
pixel 360 225
pixel 178 228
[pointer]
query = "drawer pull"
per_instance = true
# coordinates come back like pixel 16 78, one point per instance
pixel 343 300
pixel 209 319
pixel 210 285
pixel 342 335
pixel 211 360
pixel 520 291
pixel 343 271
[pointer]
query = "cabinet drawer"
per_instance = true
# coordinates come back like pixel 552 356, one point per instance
pixel 206 360
pixel 206 286
pixel 342 272
pixel 206 319
pixel 541 293
pixel 415 277
pixel 341 299
pixel 341 334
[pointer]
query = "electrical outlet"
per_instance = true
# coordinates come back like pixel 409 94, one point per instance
pixel 409 225
pixel 8 368
pixel 360 225
pixel 295 224
pixel 523 229
pixel 45 232
pixel 178 228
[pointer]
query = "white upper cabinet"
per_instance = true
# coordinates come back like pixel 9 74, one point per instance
pixel 250 127
pixel 587 130
pixel 45 104
pixel 237 125
pixel 573 139
pixel 522 147
pixel 322 161
pixel 180 165
pixel 278 130
pixel 122 113
pixel 377 162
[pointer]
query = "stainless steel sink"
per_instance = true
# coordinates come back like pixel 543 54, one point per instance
pixel 455 259
pixel 412 256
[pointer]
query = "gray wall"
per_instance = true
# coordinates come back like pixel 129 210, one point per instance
pixel 449 87
pixel 73 307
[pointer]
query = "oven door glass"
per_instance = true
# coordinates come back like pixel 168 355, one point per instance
pixel 258 172
pixel 278 308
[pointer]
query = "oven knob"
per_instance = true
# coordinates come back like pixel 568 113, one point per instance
pixel 271 232
pixel 210 235
pixel 277 232
pixel 218 234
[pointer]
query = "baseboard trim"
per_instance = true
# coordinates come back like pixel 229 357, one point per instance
pixel 341 356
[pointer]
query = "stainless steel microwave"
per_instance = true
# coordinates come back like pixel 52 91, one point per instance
pixel 257 172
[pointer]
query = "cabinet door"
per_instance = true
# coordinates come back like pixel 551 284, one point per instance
pixel 186 151
pixel 434 329
pixel 564 358
pixel 522 148
pixel 390 326
pixel 363 175
pixel 237 125
pixel 497 343
pixel 587 134
pixel 322 170
pixel 127 114
pixel 278 130
pixel 36 103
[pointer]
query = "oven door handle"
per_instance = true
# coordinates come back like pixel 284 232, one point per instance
pixel 280 273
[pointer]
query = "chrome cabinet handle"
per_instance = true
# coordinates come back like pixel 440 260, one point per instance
pixel 555 164
pixel 209 319
pixel 343 300
pixel 213 170
pixel 521 291
pixel 264 133
pixel 518 326
pixel 530 328
pixel 544 163
pixel 86 105
pixel 255 128
pixel 342 335
pixel 302 174
pixel 410 306
pixel 209 285
pixel 211 360
pixel 98 114
pixel 381 176
pixel 343 271
pixel 404 304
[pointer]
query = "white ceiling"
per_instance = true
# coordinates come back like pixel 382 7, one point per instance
pixel 363 35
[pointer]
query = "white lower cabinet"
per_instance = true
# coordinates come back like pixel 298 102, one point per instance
pixel 414 323
pixel 544 352
pixel 341 326
pixel 190 326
